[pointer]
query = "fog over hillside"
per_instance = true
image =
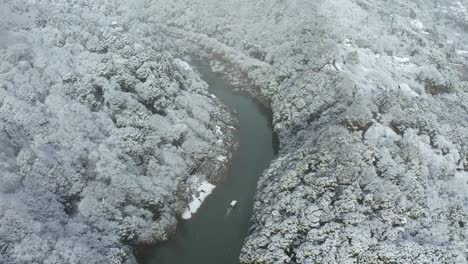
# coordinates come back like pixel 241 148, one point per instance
pixel 102 118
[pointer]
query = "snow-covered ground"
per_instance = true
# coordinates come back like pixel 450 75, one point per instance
pixel 203 191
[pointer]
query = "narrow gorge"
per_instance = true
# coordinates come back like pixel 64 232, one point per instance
pixel 127 128
pixel 215 234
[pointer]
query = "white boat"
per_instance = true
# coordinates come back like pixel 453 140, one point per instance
pixel 231 206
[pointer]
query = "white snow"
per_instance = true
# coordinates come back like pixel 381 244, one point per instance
pixel 462 52
pixel 221 158
pixel 381 134
pixel 418 24
pixel 347 43
pixel 184 65
pixel 213 96
pixel 203 191
pixel 218 130
pixel 401 59
pixel 459 183
pixel 339 66
pixel 187 214
pixel 407 90
pixel 456 64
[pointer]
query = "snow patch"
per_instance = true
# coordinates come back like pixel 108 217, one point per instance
pixel 348 43
pixel 187 214
pixel 203 191
pixel 418 24
pixel 407 90
pixel 218 130
pixel 221 158
pixel 401 59
pixel 459 183
pixel 339 66
pixel 381 134
pixel 182 64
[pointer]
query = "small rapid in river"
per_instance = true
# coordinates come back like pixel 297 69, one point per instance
pixel 211 236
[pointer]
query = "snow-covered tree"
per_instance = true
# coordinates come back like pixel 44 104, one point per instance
pixel 99 124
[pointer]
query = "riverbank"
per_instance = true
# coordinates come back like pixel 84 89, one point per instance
pixel 103 132
pixel 213 235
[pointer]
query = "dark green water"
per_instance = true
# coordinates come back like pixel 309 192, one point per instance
pixel 211 237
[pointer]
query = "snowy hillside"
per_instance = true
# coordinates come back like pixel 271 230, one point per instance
pixel 99 125
pixel 103 125
pixel 370 104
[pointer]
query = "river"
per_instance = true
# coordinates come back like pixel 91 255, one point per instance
pixel 211 236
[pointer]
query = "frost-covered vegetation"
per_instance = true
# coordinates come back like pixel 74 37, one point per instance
pixel 101 132
pixel 370 104
pixel 100 125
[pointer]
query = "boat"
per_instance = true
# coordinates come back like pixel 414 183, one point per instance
pixel 231 206
pixel 233 203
